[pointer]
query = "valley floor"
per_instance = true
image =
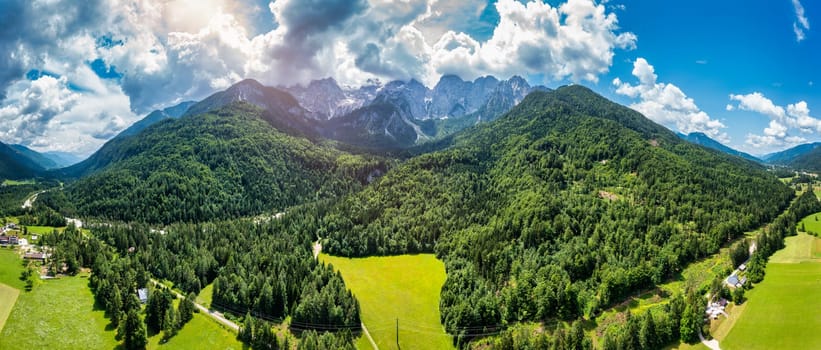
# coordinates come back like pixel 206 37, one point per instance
pixel 782 311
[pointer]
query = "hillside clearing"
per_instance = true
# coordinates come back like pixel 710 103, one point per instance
pixel 405 287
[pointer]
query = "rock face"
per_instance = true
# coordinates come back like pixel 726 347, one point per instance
pixel 398 114
pixel 451 97
pixel 328 100
pixel 274 100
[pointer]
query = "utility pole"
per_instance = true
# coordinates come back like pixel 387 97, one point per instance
pixel 397 333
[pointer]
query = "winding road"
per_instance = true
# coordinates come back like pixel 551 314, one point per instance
pixel 216 315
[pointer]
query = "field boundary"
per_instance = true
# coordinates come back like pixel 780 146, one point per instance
pixel 368 335
pixel 8 296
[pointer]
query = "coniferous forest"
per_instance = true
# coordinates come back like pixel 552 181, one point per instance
pixel 554 212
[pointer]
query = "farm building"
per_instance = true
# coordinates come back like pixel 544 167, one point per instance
pixel 732 280
pixel 142 294
pixel 36 256
pixel 9 239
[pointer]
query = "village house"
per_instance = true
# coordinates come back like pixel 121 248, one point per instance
pixel 36 256
pixel 142 294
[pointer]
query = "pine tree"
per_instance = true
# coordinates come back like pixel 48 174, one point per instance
pixel 186 310
pixel 114 305
pixel 647 333
pixel 169 327
pixel 134 331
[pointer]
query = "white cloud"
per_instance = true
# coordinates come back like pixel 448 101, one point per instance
pixel 575 40
pixel 795 117
pixel 801 24
pixel 174 50
pixel 666 104
pixel 47 115
pixel 756 102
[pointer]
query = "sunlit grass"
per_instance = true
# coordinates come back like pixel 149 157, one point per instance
pixel 406 288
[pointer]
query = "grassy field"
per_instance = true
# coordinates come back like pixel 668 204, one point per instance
pixel 8 296
pixel 200 333
pixel 403 287
pixel 18 182
pixel 59 314
pixel 800 248
pixel 782 311
pixel 811 224
pixel 205 296
pixel 43 230
pixel 11 265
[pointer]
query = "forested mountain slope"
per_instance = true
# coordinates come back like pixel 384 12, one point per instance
pixel 111 150
pixel 41 160
pixel 15 165
pixel 566 204
pixel 787 156
pixel 226 163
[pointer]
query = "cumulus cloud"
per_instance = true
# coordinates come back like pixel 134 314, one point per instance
pixel 575 40
pixel 164 52
pixel 801 24
pixel 45 114
pixel 794 117
pixel 666 104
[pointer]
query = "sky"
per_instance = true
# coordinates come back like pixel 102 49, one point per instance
pixel 75 73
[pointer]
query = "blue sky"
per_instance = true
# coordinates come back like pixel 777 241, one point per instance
pixel 743 72
pixel 711 49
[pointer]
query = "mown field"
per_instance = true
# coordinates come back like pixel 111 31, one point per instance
pixel 200 333
pixel 8 297
pixel 58 314
pixel 406 288
pixel 782 311
pixel 11 265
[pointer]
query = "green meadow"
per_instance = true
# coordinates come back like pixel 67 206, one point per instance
pixel 811 224
pixel 8 296
pixel 60 314
pixel 406 288
pixel 57 314
pixel 782 311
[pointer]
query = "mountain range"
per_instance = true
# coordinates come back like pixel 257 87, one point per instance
pixel 700 138
pixel 375 116
pixel 801 157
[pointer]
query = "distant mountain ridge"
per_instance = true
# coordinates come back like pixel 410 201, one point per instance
pixel 450 97
pixel 152 118
pixel 38 158
pixel 700 138
pixel 803 157
pixel 396 115
pixel 15 165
